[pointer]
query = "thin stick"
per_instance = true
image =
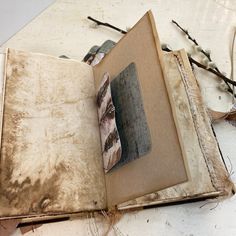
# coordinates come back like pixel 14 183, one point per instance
pixel 107 25
pixel 224 78
pixel 206 68
pixel 203 52
pixel 192 61
pixel 193 40
pixel 186 32
pixel 213 71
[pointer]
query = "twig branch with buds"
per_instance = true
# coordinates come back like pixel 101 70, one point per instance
pixel 210 65
pixel 107 25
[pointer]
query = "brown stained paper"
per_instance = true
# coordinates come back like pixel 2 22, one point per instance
pixel 50 153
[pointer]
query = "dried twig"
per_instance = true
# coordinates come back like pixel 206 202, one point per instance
pixel 208 56
pixel 193 61
pixel 212 71
pixel 186 32
pixel 107 25
pixel 215 71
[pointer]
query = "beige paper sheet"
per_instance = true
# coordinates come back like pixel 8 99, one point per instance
pixel 200 183
pixel 51 153
pixel 164 165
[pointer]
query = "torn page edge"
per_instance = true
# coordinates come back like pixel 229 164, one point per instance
pixel 219 175
pixel 3 62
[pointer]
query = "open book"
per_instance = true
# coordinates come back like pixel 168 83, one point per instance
pixel 131 131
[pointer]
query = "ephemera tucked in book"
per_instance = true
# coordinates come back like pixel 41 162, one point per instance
pixel 131 131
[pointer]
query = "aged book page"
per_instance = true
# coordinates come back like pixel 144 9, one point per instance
pixel 163 166
pixel 51 153
pixel 200 183
pixel 209 177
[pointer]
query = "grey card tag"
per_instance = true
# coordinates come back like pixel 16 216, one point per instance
pixel 130 116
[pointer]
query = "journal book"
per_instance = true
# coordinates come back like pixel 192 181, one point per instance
pixel 131 131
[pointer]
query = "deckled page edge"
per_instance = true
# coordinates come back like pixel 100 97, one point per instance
pixel 2 88
pixel 208 142
pixel 164 196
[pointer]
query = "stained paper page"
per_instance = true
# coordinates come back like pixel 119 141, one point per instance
pixel 51 153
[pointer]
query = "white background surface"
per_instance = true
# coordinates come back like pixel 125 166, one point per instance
pixel 15 14
pixel 63 29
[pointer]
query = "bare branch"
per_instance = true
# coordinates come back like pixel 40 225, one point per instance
pixel 107 25
pixel 214 71
pixel 208 56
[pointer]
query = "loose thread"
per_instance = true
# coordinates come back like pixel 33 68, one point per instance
pixel 231 172
pixel 217 204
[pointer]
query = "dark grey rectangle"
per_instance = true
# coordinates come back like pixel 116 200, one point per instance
pixel 130 116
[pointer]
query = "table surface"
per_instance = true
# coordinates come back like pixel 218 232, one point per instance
pixel 63 29
pixel 14 15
